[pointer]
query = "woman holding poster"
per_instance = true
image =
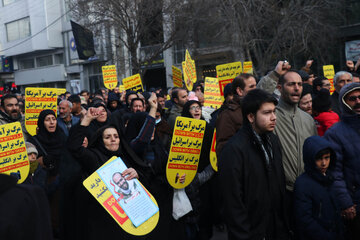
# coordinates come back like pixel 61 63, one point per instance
pixel 144 141
pixel 199 191
pixel 95 222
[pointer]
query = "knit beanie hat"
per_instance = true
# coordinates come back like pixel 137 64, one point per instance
pixel 307 88
pixel 322 102
pixel 304 75
pixel 31 148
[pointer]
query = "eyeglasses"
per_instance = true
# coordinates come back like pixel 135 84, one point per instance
pixel 195 108
pixel 353 98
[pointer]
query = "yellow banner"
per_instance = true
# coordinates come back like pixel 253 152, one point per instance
pixel 226 74
pixel 185 151
pixel 177 77
pixel 189 71
pixel 60 91
pixel 133 83
pixel 121 88
pixel 213 157
pixel 13 154
pixel 100 192
pixel 212 94
pixel 248 67
pixel 109 76
pixel 329 73
pixel 188 83
pixel 36 100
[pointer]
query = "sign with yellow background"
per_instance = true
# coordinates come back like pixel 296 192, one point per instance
pixel 188 83
pixel 190 63
pixel 226 74
pixel 60 91
pixel 177 77
pixel 13 154
pixel 329 73
pixel 189 70
pixel 248 67
pixel 133 83
pixel 121 88
pixel 213 157
pixel 36 100
pixel 212 94
pixel 109 76
pixel 185 151
pixel 101 193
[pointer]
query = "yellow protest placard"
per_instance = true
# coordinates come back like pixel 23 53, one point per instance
pixel 177 77
pixel 329 73
pixel 109 76
pixel 248 67
pixel 212 94
pixel 213 157
pixel 13 154
pixel 133 83
pixel 36 100
pixel 189 70
pixel 102 194
pixel 226 74
pixel 188 83
pixel 185 151
pixel 121 88
pixel 60 91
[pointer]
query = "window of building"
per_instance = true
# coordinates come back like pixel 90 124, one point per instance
pixel 26 63
pixel 44 61
pixel 59 58
pixel 18 29
pixel 7 2
pixel 179 53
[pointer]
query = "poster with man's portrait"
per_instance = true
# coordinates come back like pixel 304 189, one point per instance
pixel 130 194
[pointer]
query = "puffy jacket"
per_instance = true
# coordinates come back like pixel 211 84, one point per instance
pixel 316 213
pixel 345 136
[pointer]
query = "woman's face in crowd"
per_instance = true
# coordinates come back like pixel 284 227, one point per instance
pixel 50 123
pixel 195 111
pixel 111 139
pixel 102 115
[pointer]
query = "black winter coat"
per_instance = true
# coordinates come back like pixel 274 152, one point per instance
pixel 316 213
pixel 92 221
pixel 253 191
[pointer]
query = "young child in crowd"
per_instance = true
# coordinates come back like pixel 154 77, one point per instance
pixel 316 212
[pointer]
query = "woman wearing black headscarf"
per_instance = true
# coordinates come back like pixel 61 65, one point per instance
pixel 140 134
pixel 95 222
pixel 199 191
pixel 50 143
pixel 99 122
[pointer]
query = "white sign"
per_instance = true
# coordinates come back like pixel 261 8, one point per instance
pixel 352 50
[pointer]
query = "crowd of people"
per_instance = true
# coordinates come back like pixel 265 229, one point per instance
pixel 288 157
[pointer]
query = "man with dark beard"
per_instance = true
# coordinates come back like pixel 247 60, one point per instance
pixel 345 137
pixel 126 189
pixel 10 112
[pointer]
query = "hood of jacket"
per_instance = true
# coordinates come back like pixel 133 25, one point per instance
pixel 347 114
pixel 344 107
pixel 311 147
